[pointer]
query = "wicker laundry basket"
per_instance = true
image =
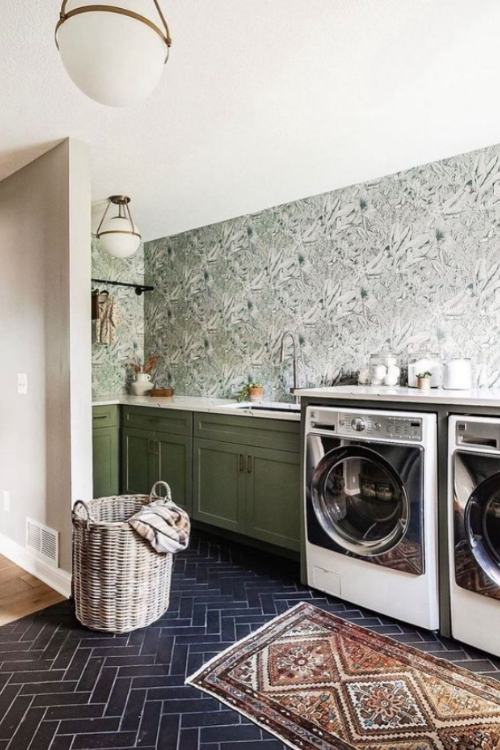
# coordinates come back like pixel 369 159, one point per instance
pixel 119 582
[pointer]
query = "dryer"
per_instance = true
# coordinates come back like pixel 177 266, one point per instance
pixel 474 530
pixel 370 503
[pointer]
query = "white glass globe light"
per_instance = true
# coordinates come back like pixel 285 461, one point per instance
pixel 113 58
pixel 117 232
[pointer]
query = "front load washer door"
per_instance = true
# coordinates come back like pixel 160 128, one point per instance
pixel 477 524
pixel 360 501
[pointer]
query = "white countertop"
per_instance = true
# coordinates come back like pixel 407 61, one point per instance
pixel 291 412
pixel 474 397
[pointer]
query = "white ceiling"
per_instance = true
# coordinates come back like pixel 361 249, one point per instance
pixel 263 101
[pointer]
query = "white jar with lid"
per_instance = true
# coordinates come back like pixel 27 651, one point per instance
pixel 458 374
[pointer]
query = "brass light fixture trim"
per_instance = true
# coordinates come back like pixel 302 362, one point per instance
pixel 163 33
pixel 122 201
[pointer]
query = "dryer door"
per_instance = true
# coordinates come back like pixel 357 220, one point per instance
pixel 477 523
pixel 360 501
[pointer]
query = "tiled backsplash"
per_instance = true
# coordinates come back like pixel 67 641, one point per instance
pixel 400 262
pixel 109 363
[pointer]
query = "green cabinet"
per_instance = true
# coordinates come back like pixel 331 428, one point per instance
pixel 157 445
pixel 105 450
pixel 237 473
pixel 220 484
pixel 138 461
pixel 175 466
pixel 247 477
pixel 273 497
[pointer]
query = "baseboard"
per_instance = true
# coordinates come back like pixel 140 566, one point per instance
pixel 56 578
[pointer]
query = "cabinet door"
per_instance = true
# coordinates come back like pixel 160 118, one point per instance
pixel 175 467
pixel 139 460
pixel 273 496
pixel 219 484
pixel 105 461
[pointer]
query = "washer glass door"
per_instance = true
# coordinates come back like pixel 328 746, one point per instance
pixel 482 526
pixel 476 522
pixel 359 500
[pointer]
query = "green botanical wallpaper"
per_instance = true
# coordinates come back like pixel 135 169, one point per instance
pixel 401 262
pixel 109 363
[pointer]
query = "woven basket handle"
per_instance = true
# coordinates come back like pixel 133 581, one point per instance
pixel 153 495
pixel 86 509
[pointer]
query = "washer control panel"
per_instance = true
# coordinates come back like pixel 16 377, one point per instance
pixel 361 425
pixel 404 428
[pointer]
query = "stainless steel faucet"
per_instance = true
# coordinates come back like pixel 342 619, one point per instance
pixel 295 343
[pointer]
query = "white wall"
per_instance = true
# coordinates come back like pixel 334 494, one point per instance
pixel 263 101
pixel 45 436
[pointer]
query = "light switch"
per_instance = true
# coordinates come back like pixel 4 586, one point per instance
pixel 22 383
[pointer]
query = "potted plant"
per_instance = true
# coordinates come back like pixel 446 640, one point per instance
pixel 424 380
pixel 251 392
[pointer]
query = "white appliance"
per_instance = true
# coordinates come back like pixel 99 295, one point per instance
pixel 474 530
pixel 370 503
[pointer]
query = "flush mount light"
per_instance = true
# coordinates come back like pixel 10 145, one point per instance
pixel 115 55
pixel 118 234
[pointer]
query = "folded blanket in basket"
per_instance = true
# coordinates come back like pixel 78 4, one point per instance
pixel 164 525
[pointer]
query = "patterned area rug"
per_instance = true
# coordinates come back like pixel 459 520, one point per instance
pixel 318 682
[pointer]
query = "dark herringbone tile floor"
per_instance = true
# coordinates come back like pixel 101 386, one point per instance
pixel 62 687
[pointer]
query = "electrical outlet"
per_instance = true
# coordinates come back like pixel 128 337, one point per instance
pixel 6 501
pixel 22 383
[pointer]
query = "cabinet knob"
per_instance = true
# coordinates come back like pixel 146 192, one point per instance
pixel 242 462
pixel 249 464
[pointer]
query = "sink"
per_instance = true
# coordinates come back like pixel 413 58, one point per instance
pixel 265 406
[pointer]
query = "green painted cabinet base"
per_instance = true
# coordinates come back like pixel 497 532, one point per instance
pixel 229 472
pixel 138 461
pixel 159 448
pixel 273 497
pixel 105 450
pixel 244 486
pixel 219 484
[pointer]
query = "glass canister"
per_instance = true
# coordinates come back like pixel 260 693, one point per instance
pixel 384 369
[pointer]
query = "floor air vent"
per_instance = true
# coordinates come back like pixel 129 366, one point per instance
pixel 43 541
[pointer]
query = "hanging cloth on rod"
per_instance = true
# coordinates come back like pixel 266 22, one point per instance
pixel 107 320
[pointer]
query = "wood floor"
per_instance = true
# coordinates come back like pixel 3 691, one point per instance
pixel 21 593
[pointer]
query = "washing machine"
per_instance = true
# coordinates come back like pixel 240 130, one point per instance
pixel 474 530
pixel 370 503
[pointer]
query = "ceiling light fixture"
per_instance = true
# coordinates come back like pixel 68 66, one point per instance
pixel 114 55
pixel 118 234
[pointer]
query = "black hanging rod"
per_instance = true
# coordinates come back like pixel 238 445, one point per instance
pixel 139 288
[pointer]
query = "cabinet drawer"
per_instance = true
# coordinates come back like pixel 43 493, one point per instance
pixel 104 416
pixel 253 431
pixel 158 420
